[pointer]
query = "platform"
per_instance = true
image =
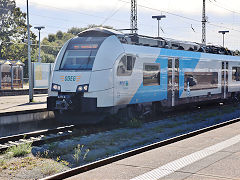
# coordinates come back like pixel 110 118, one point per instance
pixel 21 103
pixel 18 110
pixel 212 155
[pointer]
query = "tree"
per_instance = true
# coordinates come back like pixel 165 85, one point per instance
pixel 51 37
pixel 12 22
pixel 13 29
pixel 59 35
pixel 6 19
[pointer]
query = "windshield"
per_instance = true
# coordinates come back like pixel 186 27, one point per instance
pixel 80 53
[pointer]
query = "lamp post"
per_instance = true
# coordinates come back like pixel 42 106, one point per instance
pixel 29 60
pixel 223 33
pixel 39 29
pixel 158 19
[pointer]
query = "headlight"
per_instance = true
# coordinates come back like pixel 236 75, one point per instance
pixel 85 87
pixel 82 88
pixel 79 88
pixel 56 87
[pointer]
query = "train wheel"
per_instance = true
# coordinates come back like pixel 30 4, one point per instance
pixel 128 113
pixel 235 98
pixel 157 108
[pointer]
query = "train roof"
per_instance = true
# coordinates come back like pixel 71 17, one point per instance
pixel 99 31
pixel 160 42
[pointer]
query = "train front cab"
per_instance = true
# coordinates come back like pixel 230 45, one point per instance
pixel 72 73
pixel 82 80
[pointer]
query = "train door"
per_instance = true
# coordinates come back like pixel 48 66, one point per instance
pixel 173 81
pixel 123 80
pixel 224 79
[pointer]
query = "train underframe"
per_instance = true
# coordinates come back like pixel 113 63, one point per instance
pixel 74 108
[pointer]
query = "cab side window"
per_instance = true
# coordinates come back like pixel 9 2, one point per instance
pixel 236 73
pixel 126 65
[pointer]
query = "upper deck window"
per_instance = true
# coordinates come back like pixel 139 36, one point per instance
pixel 200 80
pixel 151 74
pixel 80 53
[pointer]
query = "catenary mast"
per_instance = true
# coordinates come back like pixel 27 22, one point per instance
pixel 204 22
pixel 133 19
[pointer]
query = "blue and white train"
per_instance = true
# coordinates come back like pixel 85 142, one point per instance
pixel 104 70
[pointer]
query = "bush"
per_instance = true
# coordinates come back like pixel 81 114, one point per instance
pixel 20 150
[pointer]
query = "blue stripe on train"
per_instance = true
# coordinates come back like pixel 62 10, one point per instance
pixel 157 93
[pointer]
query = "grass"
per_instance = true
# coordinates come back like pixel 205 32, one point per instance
pixel 20 150
pixel 52 146
pixel 134 123
pixel 228 110
pixel 2 163
pixel 172 125
pixel 50 168
pixel 79 153
pixel 158 129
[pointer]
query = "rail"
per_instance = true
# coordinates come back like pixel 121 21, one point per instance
pixel 35 137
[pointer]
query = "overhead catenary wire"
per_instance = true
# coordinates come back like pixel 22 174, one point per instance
pixel 222 7
pixel 181 16
pixel 117 10
pixel 168 12
pixel 196 22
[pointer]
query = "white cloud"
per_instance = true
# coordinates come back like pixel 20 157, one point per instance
pixel 91 5
pixel 179 6
pixel 171 25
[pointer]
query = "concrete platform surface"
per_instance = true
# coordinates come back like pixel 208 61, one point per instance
pixel 212 155
pixel 21 103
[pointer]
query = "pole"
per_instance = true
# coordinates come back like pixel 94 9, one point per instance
pixel 133 17
pixel 29 60
pixel 0 76
pixel 204 23
pixel 223 40
pixel 39 59
pixel 223 33
pixel 39 42
pixel 158 19
pixel 11 76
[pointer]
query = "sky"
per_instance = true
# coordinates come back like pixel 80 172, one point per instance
pixel 182 22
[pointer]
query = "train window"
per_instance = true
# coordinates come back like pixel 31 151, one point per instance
pixel 80 53
pixel 236 73
pixel 151 74
pixel 200 80
pixel 126 65
pixel 78 60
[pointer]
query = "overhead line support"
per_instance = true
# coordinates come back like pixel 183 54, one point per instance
pixel 133 17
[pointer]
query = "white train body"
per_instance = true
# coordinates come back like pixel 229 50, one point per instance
pixel 98 72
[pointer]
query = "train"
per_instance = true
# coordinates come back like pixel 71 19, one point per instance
pixel 106 71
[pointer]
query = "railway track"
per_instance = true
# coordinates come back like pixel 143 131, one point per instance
pixel 130 153
pixel 50 135
pixel 36 137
